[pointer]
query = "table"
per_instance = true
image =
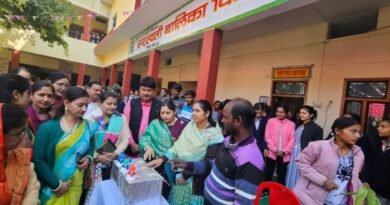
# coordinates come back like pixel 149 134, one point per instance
pixel 108 193
pixel 144 189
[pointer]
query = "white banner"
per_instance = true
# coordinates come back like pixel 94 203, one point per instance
pixel 195 17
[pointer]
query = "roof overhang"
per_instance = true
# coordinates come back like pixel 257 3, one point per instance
pixel 139 20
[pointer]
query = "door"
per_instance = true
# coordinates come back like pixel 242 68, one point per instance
pixel 289 93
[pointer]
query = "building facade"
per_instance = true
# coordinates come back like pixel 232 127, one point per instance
pixel 330 54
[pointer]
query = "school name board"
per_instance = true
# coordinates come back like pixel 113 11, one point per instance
pixel 302 72
pixel 194 18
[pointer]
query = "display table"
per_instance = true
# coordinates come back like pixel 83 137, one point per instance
pixel 142 189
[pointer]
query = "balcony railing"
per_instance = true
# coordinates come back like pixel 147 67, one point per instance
pixel 94 37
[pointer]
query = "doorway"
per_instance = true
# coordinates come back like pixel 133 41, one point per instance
pixel 289 93
pixel 294 104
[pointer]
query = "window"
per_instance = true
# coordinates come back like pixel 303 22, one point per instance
pixel 289 88
pixel 369 99
pixel 361 89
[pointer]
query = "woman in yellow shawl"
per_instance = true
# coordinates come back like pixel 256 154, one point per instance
pixel 195 143
pixel 63 150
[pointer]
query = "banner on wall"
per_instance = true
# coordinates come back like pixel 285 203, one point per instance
pixel 194 18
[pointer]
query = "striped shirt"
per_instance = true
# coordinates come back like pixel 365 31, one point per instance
pixel 236 172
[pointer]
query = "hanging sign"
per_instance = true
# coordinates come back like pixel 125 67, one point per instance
pixel 194 18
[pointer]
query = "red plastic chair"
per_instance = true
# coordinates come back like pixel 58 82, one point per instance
pixel 278 194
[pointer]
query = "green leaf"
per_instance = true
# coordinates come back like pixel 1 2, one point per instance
pixel 50 30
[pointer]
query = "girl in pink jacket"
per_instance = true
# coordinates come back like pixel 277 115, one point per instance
pixel 279 136
pixel 330 168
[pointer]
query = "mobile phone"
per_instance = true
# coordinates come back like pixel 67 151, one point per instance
pixel 78 158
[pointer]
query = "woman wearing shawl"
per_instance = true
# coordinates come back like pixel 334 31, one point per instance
pixel 18 182
pixel 199 135
pixel 63 150
pixel 159 137
pixel 112 127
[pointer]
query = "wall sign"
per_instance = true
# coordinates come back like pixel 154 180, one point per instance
pixel 264 99
pixel 195 17
pixel 292 72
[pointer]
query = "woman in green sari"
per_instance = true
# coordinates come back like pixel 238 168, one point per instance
pixel 159 137
pixel 193 144
pixel 63 150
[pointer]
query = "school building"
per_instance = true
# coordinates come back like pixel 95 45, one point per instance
pixel 332 54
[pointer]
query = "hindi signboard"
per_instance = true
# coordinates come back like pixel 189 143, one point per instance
pixel 194 18
pixel 292 72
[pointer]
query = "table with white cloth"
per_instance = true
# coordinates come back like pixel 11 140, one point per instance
pixel 142 189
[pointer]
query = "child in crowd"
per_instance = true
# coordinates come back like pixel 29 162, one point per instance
pixel 377 164
pixel 186 110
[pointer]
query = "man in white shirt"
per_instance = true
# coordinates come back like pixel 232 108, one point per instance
pixel 94 90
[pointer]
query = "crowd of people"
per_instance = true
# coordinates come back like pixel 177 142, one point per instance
pixel 52 137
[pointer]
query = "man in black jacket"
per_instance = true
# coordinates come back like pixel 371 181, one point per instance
pixel 142 111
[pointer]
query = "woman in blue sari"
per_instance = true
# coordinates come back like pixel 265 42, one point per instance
pixel 63 150
pixel 113 127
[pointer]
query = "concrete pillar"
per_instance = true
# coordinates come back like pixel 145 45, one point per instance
pixel 154 63
pixel 209 62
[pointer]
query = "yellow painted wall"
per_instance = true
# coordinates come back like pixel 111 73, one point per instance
pixel 93 5
pixel 93 72
pixel 118 7
pixel 5 57
pixel 95 24
pixel 79 51
pixel 117 54
pixel 40 61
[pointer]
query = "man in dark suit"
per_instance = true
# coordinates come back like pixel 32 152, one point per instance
pixel 141 111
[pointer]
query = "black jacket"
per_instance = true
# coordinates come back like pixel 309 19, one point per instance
pixel 311 132
pixel 136 115
pixel 260 133
pixel 376 170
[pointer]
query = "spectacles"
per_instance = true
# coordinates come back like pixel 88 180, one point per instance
pixel 356 133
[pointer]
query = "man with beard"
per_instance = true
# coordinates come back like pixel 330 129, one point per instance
pixel 141 111
pixel 237 169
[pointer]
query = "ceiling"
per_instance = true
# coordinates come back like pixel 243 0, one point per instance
pixel 139 20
